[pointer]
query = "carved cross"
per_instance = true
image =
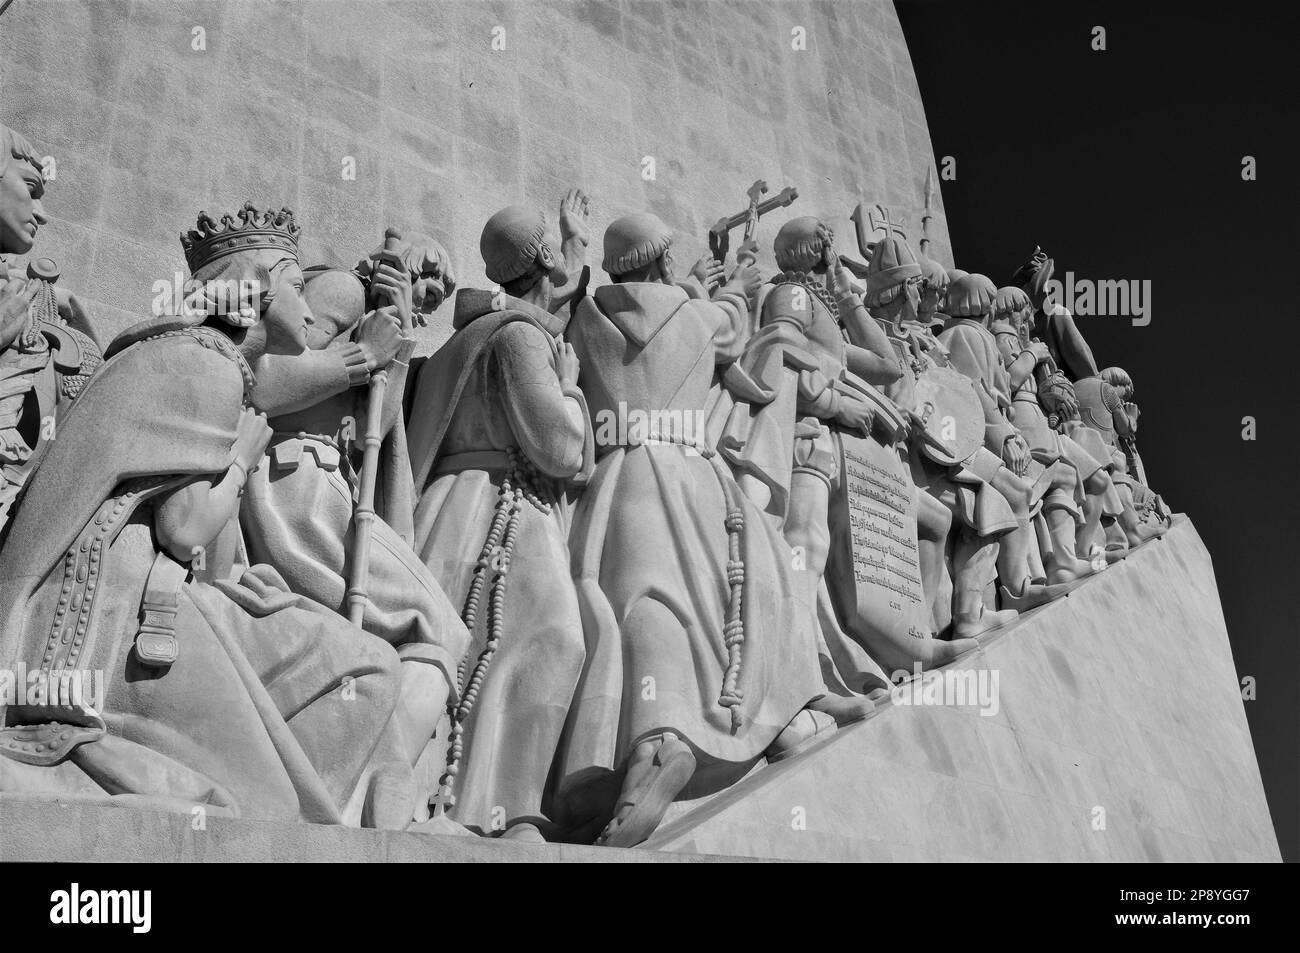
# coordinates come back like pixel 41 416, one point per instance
pixel 719 234
pixel 869 221
pixel 882 221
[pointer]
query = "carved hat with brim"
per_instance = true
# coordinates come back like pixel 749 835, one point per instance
pixel 634 241
pixel 970 296
pixel 892 263
pixel 512 241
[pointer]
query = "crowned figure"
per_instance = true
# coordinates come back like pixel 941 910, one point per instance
pixel 236 696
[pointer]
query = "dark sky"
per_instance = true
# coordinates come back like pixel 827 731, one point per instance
pixel 1127 164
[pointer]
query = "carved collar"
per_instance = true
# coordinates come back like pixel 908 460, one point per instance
pixel 815 287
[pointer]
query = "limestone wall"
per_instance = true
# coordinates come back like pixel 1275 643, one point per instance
pixel 146 130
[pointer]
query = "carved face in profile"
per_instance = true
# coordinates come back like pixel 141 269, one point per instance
pixel 285 314
pixel 21 211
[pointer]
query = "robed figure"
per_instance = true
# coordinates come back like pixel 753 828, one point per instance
pixel 237 696
pixel 699 653
pixel 499 437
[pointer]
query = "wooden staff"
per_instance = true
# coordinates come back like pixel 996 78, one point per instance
pixel 364 515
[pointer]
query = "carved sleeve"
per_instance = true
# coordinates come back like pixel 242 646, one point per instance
pixel 729 315
pixel 549 425
pixel 1119 416
pixel 291 382
pixel 871 355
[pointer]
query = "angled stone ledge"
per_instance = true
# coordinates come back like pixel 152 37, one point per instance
pixel 1120 698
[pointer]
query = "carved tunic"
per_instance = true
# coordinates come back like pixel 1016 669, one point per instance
pixel 299 505
pixel 248 718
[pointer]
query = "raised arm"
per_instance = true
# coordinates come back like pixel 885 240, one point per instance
pixel 870 354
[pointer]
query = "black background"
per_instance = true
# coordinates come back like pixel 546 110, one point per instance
pixel 1127 164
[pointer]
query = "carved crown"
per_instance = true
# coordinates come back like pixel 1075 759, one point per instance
pixel 210 240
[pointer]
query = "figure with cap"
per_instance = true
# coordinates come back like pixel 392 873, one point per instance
pixel 681 577
pixel 499 440
pixel 47 347
pixel 1030 572
pixel 1125 417
pixel 1104 417
pixel 239 696
pixel 1081 490
pixel 299 508
pixel 946 450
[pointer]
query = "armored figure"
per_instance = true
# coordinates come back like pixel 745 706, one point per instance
pixel 47 347
pixel 816 389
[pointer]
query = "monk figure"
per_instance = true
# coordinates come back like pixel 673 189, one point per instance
pixel 499 435
pixel 699 651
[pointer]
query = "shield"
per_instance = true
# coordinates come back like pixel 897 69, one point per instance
pixel 950 415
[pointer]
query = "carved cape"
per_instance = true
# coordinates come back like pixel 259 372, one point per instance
pixel 246 719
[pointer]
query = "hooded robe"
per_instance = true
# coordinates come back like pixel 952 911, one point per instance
pixel 650 550
pixel 491 388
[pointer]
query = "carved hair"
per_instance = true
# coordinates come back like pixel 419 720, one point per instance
pixel 800 243
pixel 14 145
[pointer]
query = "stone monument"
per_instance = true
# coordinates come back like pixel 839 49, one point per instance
pixel 784 554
